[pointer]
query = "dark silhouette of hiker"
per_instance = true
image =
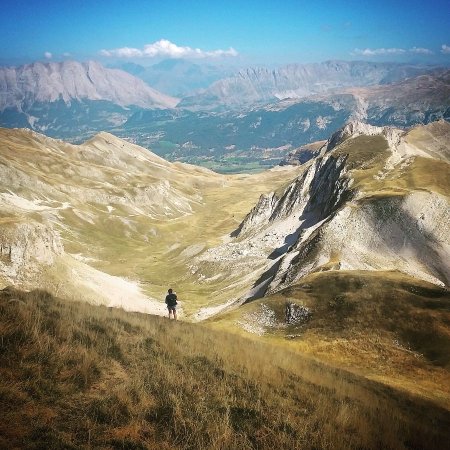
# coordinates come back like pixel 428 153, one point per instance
pixel 171 302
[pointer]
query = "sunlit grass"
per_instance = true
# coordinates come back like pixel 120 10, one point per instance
pixel 78 376
pixel 385 325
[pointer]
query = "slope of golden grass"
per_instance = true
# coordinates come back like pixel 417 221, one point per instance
pixel 383 325
pixel 79 376
pixel 127 212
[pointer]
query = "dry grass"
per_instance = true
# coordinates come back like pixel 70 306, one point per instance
pixel 385 325
pixel 79 376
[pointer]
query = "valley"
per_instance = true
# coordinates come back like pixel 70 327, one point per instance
pixel 109 209
pixel 372 199
pixel 343 258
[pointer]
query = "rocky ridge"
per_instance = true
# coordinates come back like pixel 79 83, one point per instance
pixel 364 204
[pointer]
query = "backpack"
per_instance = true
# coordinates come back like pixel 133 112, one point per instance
pixel 171 299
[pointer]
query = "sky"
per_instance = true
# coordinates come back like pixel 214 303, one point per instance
pixel 225 32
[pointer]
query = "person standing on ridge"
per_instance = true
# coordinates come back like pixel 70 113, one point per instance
pixel 171 302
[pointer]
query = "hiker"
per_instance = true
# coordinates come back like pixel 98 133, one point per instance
pixel 171 302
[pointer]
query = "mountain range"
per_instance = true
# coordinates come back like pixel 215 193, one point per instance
pixel 258 85
pixel 23 86
pixel 262 136
pixel 60 98
pixel 251 127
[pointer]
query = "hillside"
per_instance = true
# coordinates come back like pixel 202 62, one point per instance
pixel 384 325
pixel 80 376
pixel 375 199
pixel 112 223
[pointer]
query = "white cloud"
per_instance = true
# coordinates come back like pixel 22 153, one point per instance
pixel 393 51
pixel 445 49
pixel 167 49
pixel 421 50
pixel 378 51
pixel 66 54
pixel 48 55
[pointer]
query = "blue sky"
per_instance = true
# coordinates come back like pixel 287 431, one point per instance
pixel 236 32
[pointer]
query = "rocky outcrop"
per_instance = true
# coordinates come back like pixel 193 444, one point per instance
pixel 356 128
pixel 296 314
pixel 25 247
pixel 259 214
pixel 311 197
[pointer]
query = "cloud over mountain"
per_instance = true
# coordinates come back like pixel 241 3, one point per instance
pixel 165 48
pixel 378 51
pixel 392 51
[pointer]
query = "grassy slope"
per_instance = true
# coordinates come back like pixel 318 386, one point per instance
pixel 124 242
pixel 151 250
pixel 79 376
pixel 383 325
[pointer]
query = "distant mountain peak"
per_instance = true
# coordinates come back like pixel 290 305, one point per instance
pixel 22 86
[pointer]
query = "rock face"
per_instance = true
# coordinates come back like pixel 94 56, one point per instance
pixel 256 85
pixel 401 231
pixel 21 87
pixel 320 189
